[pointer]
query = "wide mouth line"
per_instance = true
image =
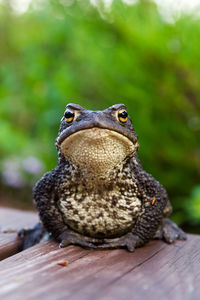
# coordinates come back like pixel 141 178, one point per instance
pixel 65 135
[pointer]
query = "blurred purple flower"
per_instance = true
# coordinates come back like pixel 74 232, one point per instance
pixel 15 169
pixel 32 165
pixel 11 174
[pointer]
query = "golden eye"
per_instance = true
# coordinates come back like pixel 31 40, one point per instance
pixel 123 115
pixel 69 116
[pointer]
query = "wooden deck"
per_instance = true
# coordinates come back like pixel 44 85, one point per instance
pixel 156 271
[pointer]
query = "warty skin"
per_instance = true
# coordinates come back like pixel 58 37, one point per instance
pixel 99 196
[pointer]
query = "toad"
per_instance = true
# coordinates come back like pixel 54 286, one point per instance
pixel 99 196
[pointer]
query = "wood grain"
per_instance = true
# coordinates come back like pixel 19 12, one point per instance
pixel 11 220
pixel 158 270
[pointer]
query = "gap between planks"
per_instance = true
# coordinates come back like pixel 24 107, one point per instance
pixel 12 220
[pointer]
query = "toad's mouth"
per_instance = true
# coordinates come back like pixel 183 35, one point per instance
pixel 97 150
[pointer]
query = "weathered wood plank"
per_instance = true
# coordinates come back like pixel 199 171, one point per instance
pixel 157 270
pixel 16 219
pixel 9 244
pixel 11 220
pixel 173 273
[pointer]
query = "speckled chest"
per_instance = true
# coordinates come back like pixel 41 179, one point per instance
pixel 102 212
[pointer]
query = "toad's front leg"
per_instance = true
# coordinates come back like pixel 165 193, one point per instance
pixel 69 237
pixel 129 241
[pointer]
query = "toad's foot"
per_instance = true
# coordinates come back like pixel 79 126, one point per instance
pixel 169 232
pixel 33 236
pixel 129 241
pixel 69 237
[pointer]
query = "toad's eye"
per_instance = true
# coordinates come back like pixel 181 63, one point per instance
pixel 123 115
pixel 69 116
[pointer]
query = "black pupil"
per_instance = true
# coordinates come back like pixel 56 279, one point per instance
pixel 123 114
pixel 69 114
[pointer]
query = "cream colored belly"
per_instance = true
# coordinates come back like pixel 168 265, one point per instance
pixel 99 217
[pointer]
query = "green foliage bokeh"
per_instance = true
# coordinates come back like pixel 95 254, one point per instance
pixel 71 51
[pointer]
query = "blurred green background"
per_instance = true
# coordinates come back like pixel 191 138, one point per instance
pixel 71 51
